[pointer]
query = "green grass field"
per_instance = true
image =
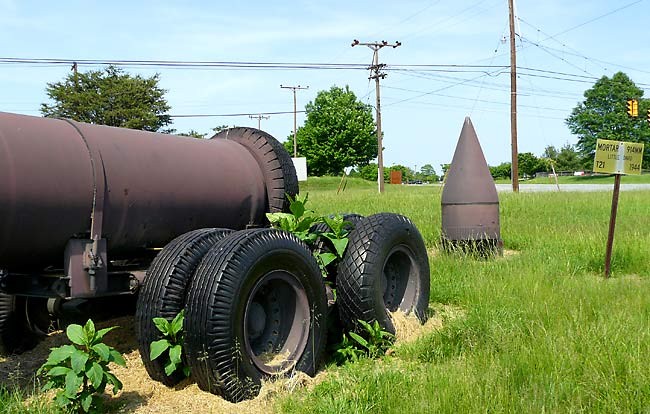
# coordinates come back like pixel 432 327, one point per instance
pixel 542 330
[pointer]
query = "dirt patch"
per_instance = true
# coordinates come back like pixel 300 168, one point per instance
pixel 409 328
pixel 142 395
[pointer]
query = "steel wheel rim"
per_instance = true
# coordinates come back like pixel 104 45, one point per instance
pixel 399 282
pixel 277 322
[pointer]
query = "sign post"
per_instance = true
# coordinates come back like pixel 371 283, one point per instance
pixel 616 157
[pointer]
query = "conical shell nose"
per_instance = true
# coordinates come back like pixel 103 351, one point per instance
pixel 468 179
pixel 470 203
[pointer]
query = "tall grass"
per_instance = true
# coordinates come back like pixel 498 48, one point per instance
pixel 543 331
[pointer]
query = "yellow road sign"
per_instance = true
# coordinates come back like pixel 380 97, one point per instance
pixel 617 157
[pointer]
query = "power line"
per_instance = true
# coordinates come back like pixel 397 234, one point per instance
pixel 597 18
pixel 231 115
pixel 52 62
pixel 579 25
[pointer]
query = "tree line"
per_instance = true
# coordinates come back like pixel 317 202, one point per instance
pixel 339 130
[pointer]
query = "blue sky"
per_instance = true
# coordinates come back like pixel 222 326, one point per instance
pixel 563 48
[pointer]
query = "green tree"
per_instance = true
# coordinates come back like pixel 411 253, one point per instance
pixel 566 159
pixel 502 170
pixel 427 173
pixel 339 132
pixel 529 164
pixel 444 168
pixel 368 172
pixel 193 134
pixel 603 115
pixel 109 97
pixel 220 128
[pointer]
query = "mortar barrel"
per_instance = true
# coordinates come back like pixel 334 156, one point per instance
pixel 147 187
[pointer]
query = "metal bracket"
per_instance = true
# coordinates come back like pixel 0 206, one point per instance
pixel 93 261
pixel 85 266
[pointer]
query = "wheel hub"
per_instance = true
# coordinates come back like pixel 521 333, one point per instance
pixel 256 320
pixel 277 322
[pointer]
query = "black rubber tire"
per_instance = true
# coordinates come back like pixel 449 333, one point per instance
pixel 8 329
pixel 385 268
pixel 275 162
pixel 164 291
pixel 15 333
pixel 256 287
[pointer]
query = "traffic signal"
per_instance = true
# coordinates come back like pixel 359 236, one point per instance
pixel 633 108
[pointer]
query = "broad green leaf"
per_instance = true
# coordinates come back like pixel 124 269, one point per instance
pixel 297 207
pixel 366 325
pixel 359 339
pixel 48 386
pixel 156 348
pixel 163 325
pixel 117 384
pixel 60 354
pixel 339 245
pixel 177 322
pixel 170 367
pixel 186 371
pixel 327 258
pixel 75 334
pixel 61 399
pixel 175 354
pixel 89 332
pixel 57 371
pixel 100 334
pixel 96 375
pixel 78 360
pixel 309 238
pixel 72 384
pixel 117 358
pixel 276 219
pixel 103 351
pixel 335 224
pixel 289 223
pixel 86 402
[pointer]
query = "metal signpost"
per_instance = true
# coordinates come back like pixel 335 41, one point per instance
pixel 616 157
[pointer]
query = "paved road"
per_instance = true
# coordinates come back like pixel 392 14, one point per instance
pixel 534 188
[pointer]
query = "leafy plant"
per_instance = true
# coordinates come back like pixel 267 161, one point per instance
pixel 171 344
pixel 337 235
pixel 299 221
pixel 80 371
pixel 373 342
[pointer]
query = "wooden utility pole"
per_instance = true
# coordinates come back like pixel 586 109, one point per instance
pixel 295 127
pixel 376 74
pixel 513 99
pixel 259 118
pixel 76 75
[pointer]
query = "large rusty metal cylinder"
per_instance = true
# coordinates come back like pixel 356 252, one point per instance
pixel 470 203
pixel 61 180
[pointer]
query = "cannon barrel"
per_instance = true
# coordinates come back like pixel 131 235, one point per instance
pixel 61 180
